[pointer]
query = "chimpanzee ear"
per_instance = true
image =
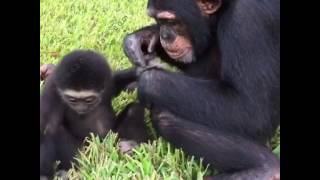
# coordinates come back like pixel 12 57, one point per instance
pixel 209 7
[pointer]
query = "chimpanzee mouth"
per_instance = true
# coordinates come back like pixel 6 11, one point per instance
pixel 177 54
pixel 177 49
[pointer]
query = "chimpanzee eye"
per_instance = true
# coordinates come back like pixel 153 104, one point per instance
pixel 160 21
pixel 166 21
pixel 171 21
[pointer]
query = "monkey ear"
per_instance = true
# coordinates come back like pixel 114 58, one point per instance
pixel 209 7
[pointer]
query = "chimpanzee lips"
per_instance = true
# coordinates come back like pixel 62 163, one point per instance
pixel 177 49
pixel 176 54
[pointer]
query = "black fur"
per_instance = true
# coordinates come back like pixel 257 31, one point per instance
pixel 62 130
pixel 225 105
pixel 78 71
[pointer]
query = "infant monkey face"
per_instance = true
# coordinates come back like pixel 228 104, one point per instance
pixel 83 101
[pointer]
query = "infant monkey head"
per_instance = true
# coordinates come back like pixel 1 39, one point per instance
pixel 83 80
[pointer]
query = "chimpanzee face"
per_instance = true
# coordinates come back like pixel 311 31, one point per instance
pixel 175 36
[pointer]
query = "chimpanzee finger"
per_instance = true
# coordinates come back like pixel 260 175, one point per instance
pixel 152 43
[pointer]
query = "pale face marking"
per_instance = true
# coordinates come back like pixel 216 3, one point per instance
pixel 79 94
pixel 82 101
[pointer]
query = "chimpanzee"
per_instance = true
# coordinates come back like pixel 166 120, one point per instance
pixel 225 104
pixel 76 101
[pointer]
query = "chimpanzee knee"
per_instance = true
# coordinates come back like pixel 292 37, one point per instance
pixel 162 119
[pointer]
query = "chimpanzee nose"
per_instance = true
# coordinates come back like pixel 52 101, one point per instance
pixel 167 34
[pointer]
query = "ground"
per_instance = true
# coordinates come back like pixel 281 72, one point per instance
pixel 66 25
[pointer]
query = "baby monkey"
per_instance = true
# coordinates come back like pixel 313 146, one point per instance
pixel 76 101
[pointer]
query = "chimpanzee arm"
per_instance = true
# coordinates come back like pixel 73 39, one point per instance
pixel 197 99
pixel 176 92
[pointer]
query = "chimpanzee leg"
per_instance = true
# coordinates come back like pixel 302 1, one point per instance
pixel 131 124
pixel 234 156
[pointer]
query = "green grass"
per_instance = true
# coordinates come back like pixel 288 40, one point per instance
pixel 151 161
pixel 98 24
pixel 66 25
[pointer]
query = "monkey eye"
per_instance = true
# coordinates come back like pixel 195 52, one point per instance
pixel 90 99
pixel 71 99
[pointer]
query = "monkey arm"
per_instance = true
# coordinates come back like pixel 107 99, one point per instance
pixel 51 109
pixel 46 70
pixel 122 78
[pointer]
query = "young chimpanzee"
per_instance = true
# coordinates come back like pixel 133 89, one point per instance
pixel 225 104
pixel 76 101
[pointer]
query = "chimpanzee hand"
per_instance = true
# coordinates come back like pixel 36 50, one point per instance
pixel 149 66
pixel 139 46
pixel 45 71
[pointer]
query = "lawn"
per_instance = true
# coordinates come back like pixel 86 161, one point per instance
pixel 66 25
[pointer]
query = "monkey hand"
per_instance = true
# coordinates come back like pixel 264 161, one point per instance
pixel 62 174
pixel 45 71
pixel 139 47
pixel 126 146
